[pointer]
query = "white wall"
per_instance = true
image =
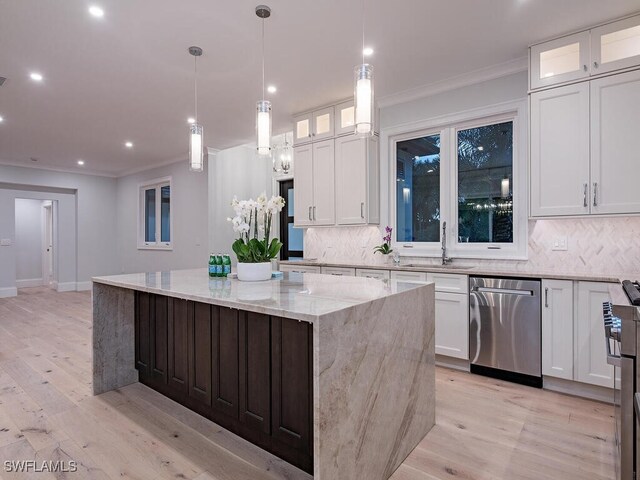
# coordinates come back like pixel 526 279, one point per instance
pixel 190 221
pixel 29 234
pixel 87 198
pixel 235 171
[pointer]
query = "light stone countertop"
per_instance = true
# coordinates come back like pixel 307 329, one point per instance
pixel 302 297
pixel 454 268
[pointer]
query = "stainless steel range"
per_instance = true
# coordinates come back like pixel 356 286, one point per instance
pixel 622 342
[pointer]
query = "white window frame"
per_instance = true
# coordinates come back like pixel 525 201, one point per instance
pixel 156 183
pixel 448 127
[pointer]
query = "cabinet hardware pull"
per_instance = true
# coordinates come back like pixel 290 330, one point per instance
pixel 595 64
pixel 584 199
pixel 314 213
pixel 546 297
pixel 310 214
pixel 595 194
pixel 361 209
pixel 585 68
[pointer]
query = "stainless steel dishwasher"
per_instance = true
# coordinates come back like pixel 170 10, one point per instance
pixel 505 329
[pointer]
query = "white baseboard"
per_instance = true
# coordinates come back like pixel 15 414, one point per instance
pixel 66 287
pixel 29 282
pixel 83 286
pixel 451 362
pixel 578 389
pixel 8 292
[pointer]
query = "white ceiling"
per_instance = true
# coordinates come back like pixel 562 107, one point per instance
pixel 128 76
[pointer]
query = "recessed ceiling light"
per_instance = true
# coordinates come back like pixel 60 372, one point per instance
pixel 272 89
pixel 36 76
pixel 1 119
pixel 128 144
pixel 96 11
pixel 80 162
pixel 367 51
pixel 191 120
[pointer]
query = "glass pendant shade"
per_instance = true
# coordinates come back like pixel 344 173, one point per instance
pixel 196 153
pixel 363 99
pixel 282 158
pixel 263 127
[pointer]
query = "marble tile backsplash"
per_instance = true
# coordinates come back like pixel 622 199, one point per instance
pixel 595 245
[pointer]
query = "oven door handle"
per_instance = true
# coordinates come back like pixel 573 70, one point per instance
pixel 612 359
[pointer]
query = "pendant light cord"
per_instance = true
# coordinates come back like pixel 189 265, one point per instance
pixel 363 32
pixel 195 85
pixel 263 58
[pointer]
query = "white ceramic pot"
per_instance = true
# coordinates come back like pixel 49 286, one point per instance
pixel 254 272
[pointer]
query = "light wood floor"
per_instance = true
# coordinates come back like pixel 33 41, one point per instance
pixel 486 429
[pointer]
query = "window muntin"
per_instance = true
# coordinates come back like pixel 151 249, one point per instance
pixel 485 183
pixel 418 189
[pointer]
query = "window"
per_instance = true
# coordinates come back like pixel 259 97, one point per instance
pixel 155 215
pixel 469 174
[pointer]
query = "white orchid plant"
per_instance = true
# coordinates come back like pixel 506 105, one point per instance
pixel 252 223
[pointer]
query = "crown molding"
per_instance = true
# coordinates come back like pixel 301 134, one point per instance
pixel 91 173
pixel 453 83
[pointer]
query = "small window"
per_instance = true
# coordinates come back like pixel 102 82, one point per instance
pixel 155 215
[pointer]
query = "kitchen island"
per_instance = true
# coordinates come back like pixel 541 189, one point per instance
pixel 333 374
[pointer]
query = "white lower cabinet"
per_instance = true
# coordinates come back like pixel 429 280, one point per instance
pixel 373 273
pixel 299 268
pixel 452 325
pixel 590 354
pixel 339 271
pixel 409 276
pixel 557 328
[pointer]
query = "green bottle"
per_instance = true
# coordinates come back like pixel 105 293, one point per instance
pixel 226 265
pixel 212 265
pixel 218 264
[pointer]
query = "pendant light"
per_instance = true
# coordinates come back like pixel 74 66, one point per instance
pixel 263 110
pixel 196 145
pixel 363 93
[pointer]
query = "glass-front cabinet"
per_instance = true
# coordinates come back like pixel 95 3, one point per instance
pixel 610 47
pixel 345 118
pixel 314 126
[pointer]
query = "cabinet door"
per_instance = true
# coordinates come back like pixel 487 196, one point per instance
pixel 292 389
pixel 615 117
pixel 345 118
pixel 143 335
pixel 324 212
pixel 225 361
pixel 200 353
pixel 159 340
pixel 557 329
pixel 616 45
pixel 323 124
pixel 560 151
pixel 351 180
pixel 560 60
pixel 419 277
pixel 299 268
pixel 373 273
pixel 339 271
pixel 255 371
pixel 303 181
pixel 591 357
pixel 302 129
pixel 178 341
pixel 449 283
pixel 452 325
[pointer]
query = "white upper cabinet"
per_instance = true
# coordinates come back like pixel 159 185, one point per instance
pixel 323 124
pixel 560 60
pixel 615 118
pixel 314 184
pixel 302 129
pixel 610 47
pixel 303 191
pixel 345 118
pixel 616 45
pixel 560 151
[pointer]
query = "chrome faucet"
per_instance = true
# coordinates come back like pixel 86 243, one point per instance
pixel 445 259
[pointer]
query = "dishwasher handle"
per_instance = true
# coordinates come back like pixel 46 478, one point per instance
pixel 504 291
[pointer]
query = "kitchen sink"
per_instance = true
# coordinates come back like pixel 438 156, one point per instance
pixel 443 267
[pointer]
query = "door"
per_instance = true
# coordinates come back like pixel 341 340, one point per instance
pixel 616 45
pixel 302 129
pixel 615 116
pixel 560 151
pixel 557 328
pixel 560 60
pixel 303 177
pixel 323 124
pixel 292 238
pixel 452 325
pixel 351 180
pixel 590 351
pixel 345 123
pixel 324 212
pixel 47 263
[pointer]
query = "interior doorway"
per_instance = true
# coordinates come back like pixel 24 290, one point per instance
pixel 292 238
pixel 35 245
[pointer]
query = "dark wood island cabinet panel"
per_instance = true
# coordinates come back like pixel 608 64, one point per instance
pixel 250 373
